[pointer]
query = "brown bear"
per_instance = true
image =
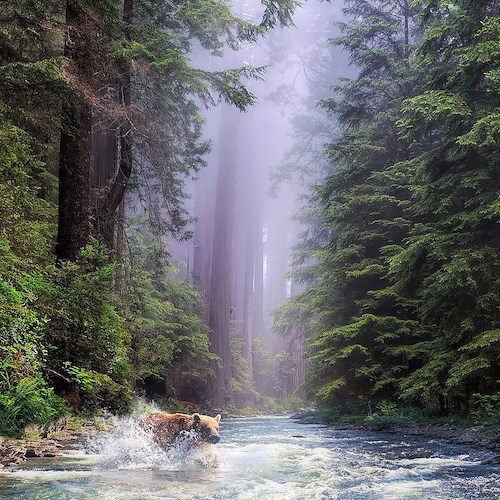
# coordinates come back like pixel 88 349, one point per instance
pixel 168 427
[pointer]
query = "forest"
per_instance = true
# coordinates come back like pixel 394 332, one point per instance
pixel 142 254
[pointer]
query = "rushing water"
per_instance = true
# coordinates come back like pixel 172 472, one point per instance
pixel 261 458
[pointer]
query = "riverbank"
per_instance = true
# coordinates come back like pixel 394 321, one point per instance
pixel 264 458
pixel 65 433
pixel 477 435
pixel 70 432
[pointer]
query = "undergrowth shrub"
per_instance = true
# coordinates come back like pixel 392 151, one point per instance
pixel 28 401
pixel 87 341
pixel 487 408
pixel 98 391
pixel 25 397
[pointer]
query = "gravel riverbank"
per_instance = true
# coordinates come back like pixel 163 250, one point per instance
pixel 477 436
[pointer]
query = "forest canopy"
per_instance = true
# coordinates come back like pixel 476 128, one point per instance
pixel 394 295
pixel 401 259
pixel 99 99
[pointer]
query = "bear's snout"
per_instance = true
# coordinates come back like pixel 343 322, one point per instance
pixel 214 439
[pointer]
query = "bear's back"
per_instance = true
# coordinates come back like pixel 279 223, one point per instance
pixel 166 427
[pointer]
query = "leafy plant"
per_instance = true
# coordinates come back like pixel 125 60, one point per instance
pixel 487 408
pixel 29 401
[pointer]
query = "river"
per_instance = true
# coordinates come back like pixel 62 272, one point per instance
pixel 261 458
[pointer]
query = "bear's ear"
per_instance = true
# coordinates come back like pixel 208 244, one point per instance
pixel 197 418
pixel 217 418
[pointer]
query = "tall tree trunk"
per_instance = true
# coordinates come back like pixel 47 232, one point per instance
pixel 297 347
pixel 259 275
pixel 277 258
pixel 203 242
pixel 75 160
pixel 120 236
pixel 118 185
pixel 105 158
pixel 221 287
pixel 406 15
pixel 248 301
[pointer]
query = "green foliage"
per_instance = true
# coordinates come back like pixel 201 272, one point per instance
pixel 58 325
pixel 402 256
pixel 26 234
pixel 455 251
pixel 28 401
pixel 487 408
pixel 163 316
pixel 26 218
pixel 243 391
pixel 84 329
pixel 272 374
pixel 263 367
pixel 20 326
pixel 25 397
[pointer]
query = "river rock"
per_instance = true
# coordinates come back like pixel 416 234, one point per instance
pixel 11 454
pixel 57 436
pixel 59 425
pixel 16 451
pixel 43 448
pixel 494 460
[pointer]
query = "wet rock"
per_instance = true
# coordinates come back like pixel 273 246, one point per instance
pixel 308 419
pixel 57 436
pixel 16 451
pixel 494 460
pixel 11 452
pixel 43 448
pixel 478 436
pixel 57 426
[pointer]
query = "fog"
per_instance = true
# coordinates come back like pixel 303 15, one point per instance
pixel 261 163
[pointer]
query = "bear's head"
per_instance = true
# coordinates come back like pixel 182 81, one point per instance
pixel 207 427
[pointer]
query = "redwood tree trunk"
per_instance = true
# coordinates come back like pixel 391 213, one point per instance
pixel 221 283
pixel 203 245
pixel 75 159
pixel 259 276
pixel 406 14
pixel 105 158
pixel 118 186
pixel 120 236
pixel 248 301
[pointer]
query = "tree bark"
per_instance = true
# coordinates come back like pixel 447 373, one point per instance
pixel 203 243
pixel 221 288
pixel 248 301
pixel 118 185
pixel 105 157
pixel 75 160
pixel 120 236
pixel 259 276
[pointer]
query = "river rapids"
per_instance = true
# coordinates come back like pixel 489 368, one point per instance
pixel 260 458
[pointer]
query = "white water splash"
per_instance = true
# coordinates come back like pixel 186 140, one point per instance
pixel 132 447
pixel 273 459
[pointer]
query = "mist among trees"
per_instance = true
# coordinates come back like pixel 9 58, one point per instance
pixel 248 206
